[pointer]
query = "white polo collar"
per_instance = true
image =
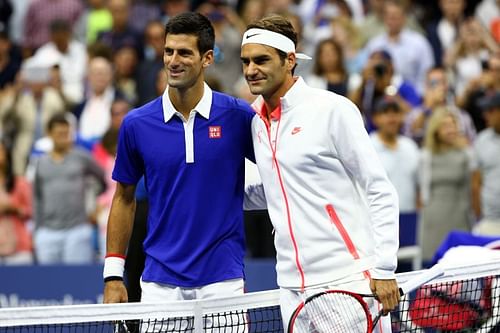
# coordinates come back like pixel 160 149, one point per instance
pixel 203 106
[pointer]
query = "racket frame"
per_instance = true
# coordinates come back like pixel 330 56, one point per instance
pixel 358 297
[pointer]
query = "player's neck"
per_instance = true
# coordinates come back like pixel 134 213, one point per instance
pixel 273 100
pixel 184 100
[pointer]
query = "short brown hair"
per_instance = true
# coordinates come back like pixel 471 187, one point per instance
pixel 278 24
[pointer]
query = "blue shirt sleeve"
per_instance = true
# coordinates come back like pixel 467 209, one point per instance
pixel 129 166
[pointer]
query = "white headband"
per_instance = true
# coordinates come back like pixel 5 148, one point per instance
pixel 273 39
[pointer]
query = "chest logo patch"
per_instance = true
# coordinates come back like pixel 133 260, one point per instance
pixel 214 132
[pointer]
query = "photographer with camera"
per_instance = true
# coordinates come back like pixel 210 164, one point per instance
pixel 437 94
pixel 378 79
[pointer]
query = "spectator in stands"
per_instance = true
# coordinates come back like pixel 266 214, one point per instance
pixel 121 34
pixel 119 110
pixel 378 79
pixel 470 51
pixel 488 80
pixel 305 67
pixel 93 113
pixel 15 212
pixel 488 13
pixel 104 153
pixel 310 8
pixel 278 6
pixel 63 233
pixel 40 14
pixel 152 63
pixel 171 8
pixel 31 104
pixel 161 82
pixel 71 57
pixel 445 174
pixel 348 36
pixel 97 19
pixel 252 10
pixel 143 12
pixel 125 74
pixel 228 27
pixel 373 23
pixel 437 94
pixel 316 24
pixel 10 60
pixel 486 184
pixel 443 31
pixel 410 51
pixel 394 148
pixel 329 70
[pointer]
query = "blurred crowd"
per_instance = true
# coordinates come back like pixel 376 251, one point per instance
pixel 425 75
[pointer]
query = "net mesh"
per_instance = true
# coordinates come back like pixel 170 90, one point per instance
pixel 465 299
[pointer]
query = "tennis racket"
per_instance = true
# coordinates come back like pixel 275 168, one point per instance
pixel 340 311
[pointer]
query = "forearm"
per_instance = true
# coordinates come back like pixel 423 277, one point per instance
pixel 120 224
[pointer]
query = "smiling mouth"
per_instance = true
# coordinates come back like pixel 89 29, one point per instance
pixel 255 81
pixel 176 72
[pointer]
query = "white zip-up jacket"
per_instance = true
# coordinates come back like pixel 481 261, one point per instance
pixel 333 208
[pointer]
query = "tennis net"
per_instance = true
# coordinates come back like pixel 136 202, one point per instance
pixel 465 299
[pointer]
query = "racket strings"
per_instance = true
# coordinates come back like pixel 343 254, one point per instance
pixel 333 313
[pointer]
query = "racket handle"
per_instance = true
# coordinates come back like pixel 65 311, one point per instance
pixel 422 278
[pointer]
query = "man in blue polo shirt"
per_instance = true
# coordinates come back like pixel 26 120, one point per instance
pixel 190 144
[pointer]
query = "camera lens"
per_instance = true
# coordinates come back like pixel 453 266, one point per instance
pixel 380 69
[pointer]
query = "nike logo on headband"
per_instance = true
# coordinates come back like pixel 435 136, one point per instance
pixel 249 36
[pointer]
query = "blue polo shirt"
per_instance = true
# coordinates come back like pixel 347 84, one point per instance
pixel 194 173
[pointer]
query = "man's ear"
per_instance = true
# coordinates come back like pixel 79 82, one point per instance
pixel 291 60
pixel 208 58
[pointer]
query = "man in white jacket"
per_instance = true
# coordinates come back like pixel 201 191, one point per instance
pixel 334 211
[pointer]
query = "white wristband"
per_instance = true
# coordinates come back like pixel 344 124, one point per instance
pixel 113 266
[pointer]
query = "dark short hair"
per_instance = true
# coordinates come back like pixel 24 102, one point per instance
pixel 57 119
pixel 383 53
pixel 195 24
pixel 59 25
pixel 386 103
pixel 278 24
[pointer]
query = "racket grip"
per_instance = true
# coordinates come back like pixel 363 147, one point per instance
pixel 422 278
